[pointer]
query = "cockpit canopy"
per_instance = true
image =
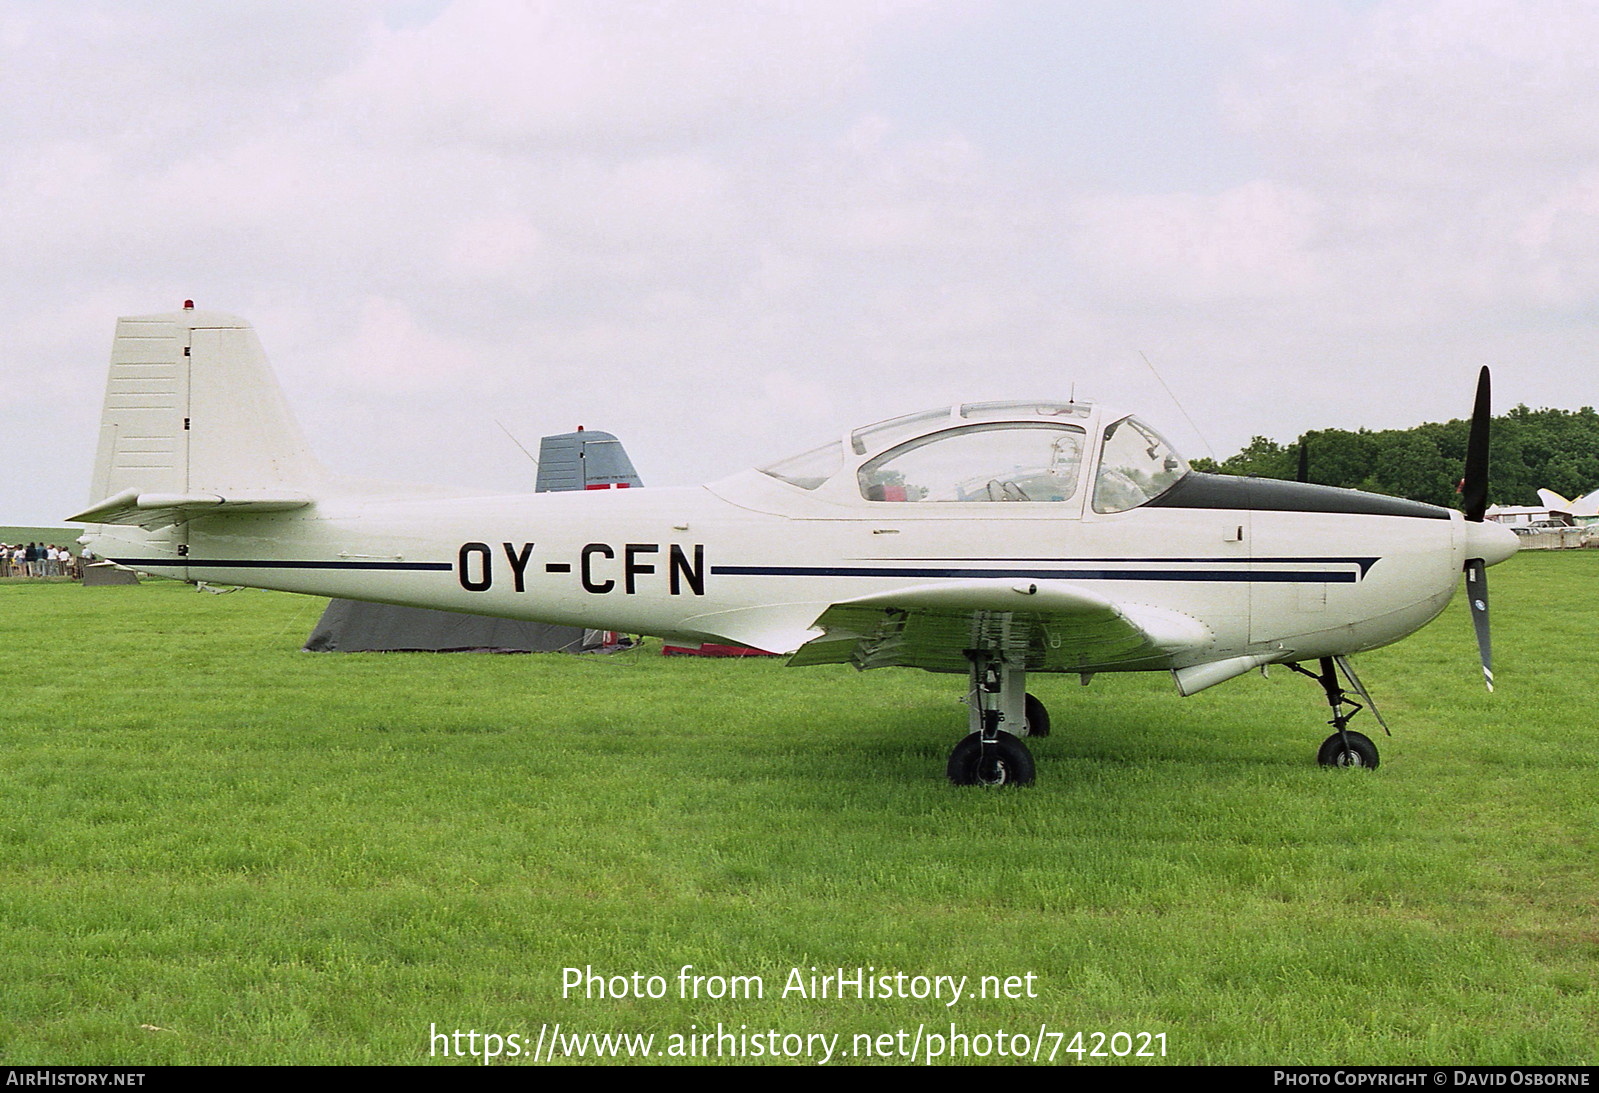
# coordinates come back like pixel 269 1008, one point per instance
pixel 999 461
pixel 994 452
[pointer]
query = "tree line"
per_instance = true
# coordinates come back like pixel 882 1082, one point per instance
pixel 1551 449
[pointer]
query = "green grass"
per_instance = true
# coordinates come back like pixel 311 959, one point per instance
pixel 278 857
pixel 62 536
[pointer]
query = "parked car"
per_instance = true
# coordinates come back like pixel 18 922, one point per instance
pixel 1540 525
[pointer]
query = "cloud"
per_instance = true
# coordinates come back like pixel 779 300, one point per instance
pixel 391 353
pixel 752 224
pixel 510 74
pixel 1253 242
pixel 1441 93
pixel 1450 145
pixel 154 77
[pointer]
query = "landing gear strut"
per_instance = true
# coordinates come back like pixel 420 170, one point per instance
pixel 991 755
pixel 1345 747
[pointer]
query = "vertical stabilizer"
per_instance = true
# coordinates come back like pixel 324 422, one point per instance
pixel 584 460
pixel 191 408
pixel 1553 501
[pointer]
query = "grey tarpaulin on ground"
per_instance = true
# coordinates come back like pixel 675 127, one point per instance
pixel 349 626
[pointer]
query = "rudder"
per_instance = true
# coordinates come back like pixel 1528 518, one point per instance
pixel 192 408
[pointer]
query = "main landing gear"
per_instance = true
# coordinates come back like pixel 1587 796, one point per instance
pixel 990 755
pixel 1345 747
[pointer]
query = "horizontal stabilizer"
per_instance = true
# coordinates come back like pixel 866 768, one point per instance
pixel 159 510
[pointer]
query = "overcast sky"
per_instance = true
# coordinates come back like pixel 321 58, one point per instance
pixel 728 230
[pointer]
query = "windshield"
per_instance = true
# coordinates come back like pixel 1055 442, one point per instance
pixel 1135 467
pixel 808 470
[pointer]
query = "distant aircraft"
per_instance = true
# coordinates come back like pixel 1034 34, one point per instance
pixel 584 460
pixel 1586 506
pixel 987 538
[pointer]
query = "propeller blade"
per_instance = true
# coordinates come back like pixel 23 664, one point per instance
pixel 1474 486
pixel 1477 597
pixel 1360 689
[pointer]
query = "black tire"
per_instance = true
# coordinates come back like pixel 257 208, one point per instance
pixel 1358 752
pixel 1005 762
pixel 1037 717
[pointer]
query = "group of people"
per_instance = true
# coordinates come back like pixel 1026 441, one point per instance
pixel 36 560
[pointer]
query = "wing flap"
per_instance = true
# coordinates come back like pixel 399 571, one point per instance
pixel 1048 626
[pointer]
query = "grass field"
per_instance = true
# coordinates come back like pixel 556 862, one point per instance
pixel 218 849
pixel 67 537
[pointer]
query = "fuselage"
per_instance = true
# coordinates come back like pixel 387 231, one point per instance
pixel 1280 569
pixel 989 538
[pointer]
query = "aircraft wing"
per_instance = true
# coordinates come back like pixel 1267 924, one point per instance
pixel 159 510
pixel 1050 626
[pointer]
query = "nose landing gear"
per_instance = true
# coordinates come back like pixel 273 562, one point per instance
pixel 1345 747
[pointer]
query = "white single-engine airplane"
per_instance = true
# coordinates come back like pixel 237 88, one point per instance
pixel 990 538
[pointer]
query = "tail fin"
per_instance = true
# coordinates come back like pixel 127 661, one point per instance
pixel 1553 501
pixel 584 460
pixel 194 422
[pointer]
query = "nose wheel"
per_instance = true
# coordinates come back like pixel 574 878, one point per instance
pixel 1348 749
pixel 1345 747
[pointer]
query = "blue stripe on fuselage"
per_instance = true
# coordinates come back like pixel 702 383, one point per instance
pixel 1241 575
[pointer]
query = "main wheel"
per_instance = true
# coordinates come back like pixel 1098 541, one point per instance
pixel 1005 762
pixel 1358 752
pixel 1037 717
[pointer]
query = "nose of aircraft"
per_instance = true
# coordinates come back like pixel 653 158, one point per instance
pixel 1491 542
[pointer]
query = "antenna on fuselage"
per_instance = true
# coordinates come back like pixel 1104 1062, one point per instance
pixel 1208 449
pixel 518 443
